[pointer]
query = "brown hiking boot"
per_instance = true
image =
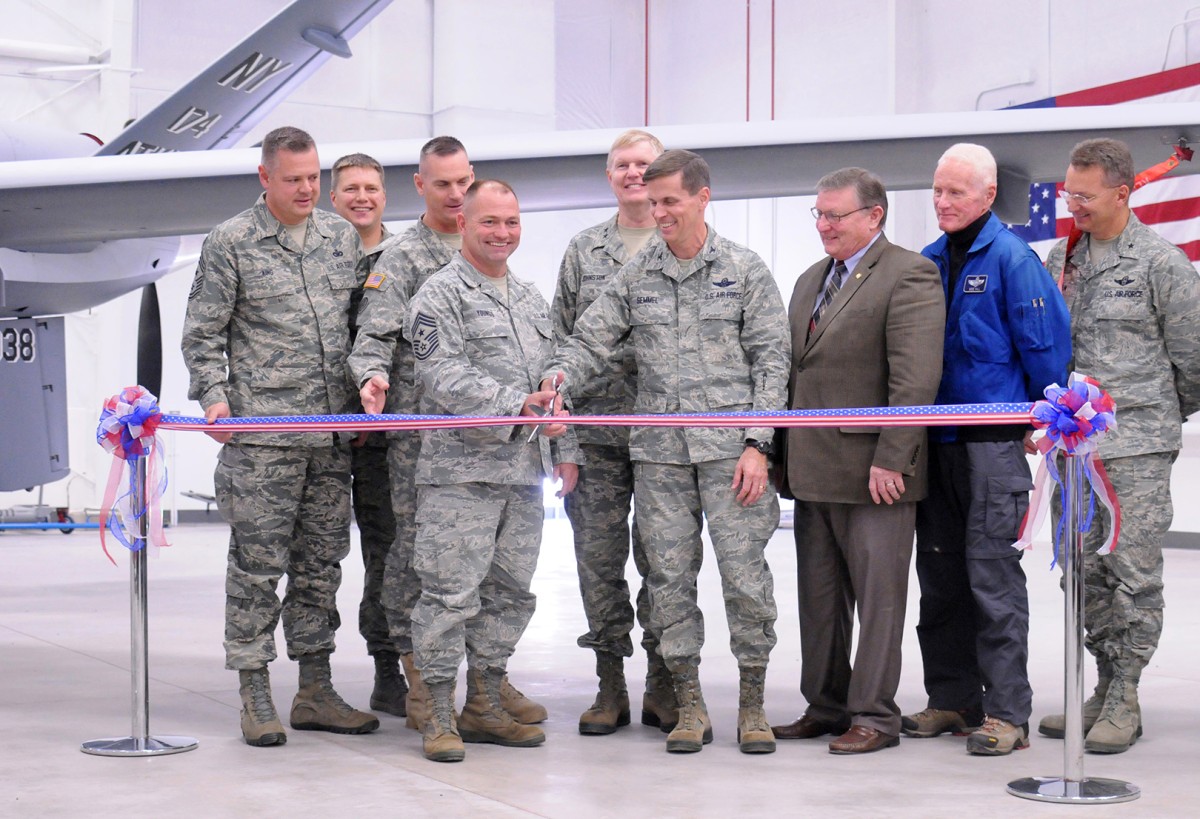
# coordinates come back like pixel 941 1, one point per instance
pixel 417 703
pixel 317 707
pixel 611 708
pixel 694 729
pixel 523 709
pixel 1120 722
pixel 441 741
pixel 753 732
pixel 659 707
pixel 484 719
pixel 998 737
pixel 390 689
pixel 260 724
pixel 933 722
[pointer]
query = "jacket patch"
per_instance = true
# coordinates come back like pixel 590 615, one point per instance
pixel 374 280
pixel 975 284
pixel 424 336
pixel 724 282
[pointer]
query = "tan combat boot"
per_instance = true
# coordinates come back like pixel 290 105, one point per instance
pixel 611 708
pixel 1120 722
pixel 694 730
pixel 523 709
pixel 390 689
pixel 417 703
pixel 441 741
pixel 659 708
pixel 260 724
pixel 1055 725
pixel 484 719
pixel 754 732
pixel 317 707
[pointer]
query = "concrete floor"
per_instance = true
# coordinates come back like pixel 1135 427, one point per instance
pixel 64 660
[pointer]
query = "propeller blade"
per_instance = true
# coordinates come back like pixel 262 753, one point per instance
pixel 149 342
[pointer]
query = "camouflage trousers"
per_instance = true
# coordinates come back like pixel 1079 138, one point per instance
pixel 673 502
pixel 401 586
pixel 372 500
pixel 476 549
pixel 288 510
pixel 1123 591
pixel 599 513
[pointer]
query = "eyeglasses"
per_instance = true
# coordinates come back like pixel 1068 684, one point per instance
pixel 1081 198
pixel 833 218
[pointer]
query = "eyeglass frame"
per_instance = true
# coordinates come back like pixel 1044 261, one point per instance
pixel 835 218
pixel 1080 199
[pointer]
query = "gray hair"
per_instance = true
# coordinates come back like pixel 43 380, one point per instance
pixel 978 158
pixel 868 187
pixel 1111 155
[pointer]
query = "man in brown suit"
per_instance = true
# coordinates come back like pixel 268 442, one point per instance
pixel 867 324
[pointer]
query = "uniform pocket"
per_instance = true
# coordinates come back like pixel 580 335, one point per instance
pixel 1007 502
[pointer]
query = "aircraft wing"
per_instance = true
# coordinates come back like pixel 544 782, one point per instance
pixel 233 94
pixel 94 198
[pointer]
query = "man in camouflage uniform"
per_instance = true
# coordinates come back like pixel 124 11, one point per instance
pixel 381 364
pixel 705 322
pixel 599 507
pixel 359 197
pixel 1135 309
pixel 267 332
pixel 480 337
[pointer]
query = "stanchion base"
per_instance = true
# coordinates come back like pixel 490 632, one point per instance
pixel 1087 791
pixel 139 746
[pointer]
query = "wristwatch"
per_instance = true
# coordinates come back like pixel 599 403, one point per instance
pixel 764 447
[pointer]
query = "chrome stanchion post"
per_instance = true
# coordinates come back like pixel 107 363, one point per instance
pixel 139 743
pixel 1073 786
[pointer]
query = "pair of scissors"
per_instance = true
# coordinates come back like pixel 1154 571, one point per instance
pixel 534 408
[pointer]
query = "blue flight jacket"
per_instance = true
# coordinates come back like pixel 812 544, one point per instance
pixel 1008 332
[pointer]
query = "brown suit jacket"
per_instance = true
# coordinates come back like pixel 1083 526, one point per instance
pixel 878 344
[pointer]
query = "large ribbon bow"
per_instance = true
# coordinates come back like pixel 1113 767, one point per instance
pixel 1073 420
pixel 127 430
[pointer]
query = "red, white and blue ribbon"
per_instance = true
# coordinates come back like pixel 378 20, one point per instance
pixel 920 416
pixel 127 429
pixel 1073 419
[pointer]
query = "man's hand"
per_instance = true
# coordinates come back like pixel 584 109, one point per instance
pixel 569 475
pixel 373 394
pixel 886 486
pixel 545 400
pixel 218 410
pixel 1030 446
pixel 751 475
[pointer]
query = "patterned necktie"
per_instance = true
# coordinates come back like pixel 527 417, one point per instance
pixel 831 289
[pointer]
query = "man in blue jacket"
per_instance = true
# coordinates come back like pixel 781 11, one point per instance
pixel 1008 336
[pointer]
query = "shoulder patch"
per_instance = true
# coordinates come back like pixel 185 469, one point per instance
pixel 424 336
pixel 374 280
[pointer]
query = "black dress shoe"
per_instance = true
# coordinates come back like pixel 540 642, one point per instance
pixel 862 740
pixel 808 728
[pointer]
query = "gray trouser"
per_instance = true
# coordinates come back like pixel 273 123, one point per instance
pixel 673 502
pixel 288 510
pixel 476 549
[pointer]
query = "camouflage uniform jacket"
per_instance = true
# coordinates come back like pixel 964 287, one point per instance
pixel 1135 328
pixel 267 329
pixel 710 335
pixel 366 264
pixel 476 355
pixel 591 261
pixel 405 263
